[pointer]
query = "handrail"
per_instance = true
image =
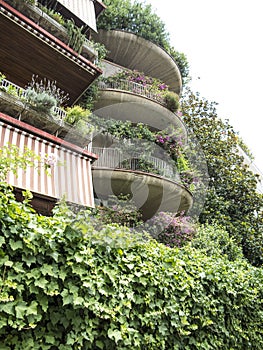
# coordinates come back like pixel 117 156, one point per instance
pixel 131 86
pixel 21 93
pixel 116 159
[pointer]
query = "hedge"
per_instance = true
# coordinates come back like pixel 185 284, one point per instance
pixel 67 283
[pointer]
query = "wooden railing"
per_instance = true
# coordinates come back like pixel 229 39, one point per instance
pixel 116 159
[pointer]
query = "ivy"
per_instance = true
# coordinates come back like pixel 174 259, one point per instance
pixel 67 285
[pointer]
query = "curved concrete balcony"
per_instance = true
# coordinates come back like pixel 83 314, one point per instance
pixel 131 101
pixel 152 193
pixel 136 53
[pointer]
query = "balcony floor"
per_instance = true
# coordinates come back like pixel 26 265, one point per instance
pixel 151 193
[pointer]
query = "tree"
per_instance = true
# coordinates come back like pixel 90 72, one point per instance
pixel 232 198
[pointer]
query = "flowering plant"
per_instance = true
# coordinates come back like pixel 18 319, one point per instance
pixel 171 229
pixel 50 160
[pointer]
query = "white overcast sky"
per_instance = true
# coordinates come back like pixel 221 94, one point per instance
pixel 223 41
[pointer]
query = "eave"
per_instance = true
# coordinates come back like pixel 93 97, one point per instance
pixel 27 49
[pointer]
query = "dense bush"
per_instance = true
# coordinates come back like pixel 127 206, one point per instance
pixel 171 229
pixel 66 285
pixel 216 241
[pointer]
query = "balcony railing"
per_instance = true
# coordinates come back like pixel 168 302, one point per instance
pixel 136 88
pixel 116 159
pixel 14 89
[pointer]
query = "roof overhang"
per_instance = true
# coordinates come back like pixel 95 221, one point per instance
pixel 27 49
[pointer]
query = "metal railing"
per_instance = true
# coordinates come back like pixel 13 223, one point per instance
pixel 131 86
pixel 116 159
pixel 16 90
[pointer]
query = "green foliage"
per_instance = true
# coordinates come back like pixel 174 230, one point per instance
pixel 79 118
pixel 144 85
pixel 101 49
pixel 2 77
pixel 120 210
pixel 41 101
pixel 140 19
pixel 89 97
pixel 53 14
pixel 140 136
pixel 134 17
pixel 171 100
pixel 20 3
pixel 12 159
pixel 216 241
pixel 43 87
pixel 66 285
pixel 245 148
pixel 76 38
pixel 232 197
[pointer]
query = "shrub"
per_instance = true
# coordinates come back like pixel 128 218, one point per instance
pixel 215 241
pixel 171 229
pixel 120 210
pixel 171 100
pixel 79 118
pixel 41 101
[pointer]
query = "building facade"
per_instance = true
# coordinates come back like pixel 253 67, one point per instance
pixel 42 48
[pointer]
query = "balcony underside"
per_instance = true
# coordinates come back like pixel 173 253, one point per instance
pixel 26 49
pixel 151 193
pixel 136 53
pixel 123 105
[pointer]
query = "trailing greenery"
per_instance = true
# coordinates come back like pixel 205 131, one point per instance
pixel 140 19
pixel 232 197
pixel 140 137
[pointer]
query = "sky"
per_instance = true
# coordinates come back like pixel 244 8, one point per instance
pixel 223 43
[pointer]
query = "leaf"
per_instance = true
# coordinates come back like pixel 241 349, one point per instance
pixel 21 309
pixel 41 282
pixel 114 334
pixel 2 241
pixel 8 308
pixel 32 308
pixel 16 244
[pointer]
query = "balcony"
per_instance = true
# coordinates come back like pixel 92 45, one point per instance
pixel 13 103
pixel 152 182
pixel 133 52
pixel 40 17
pixel 128 100
pixel 69 177
pixel 36 51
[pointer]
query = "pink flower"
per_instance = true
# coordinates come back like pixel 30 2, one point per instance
pixel 51 160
